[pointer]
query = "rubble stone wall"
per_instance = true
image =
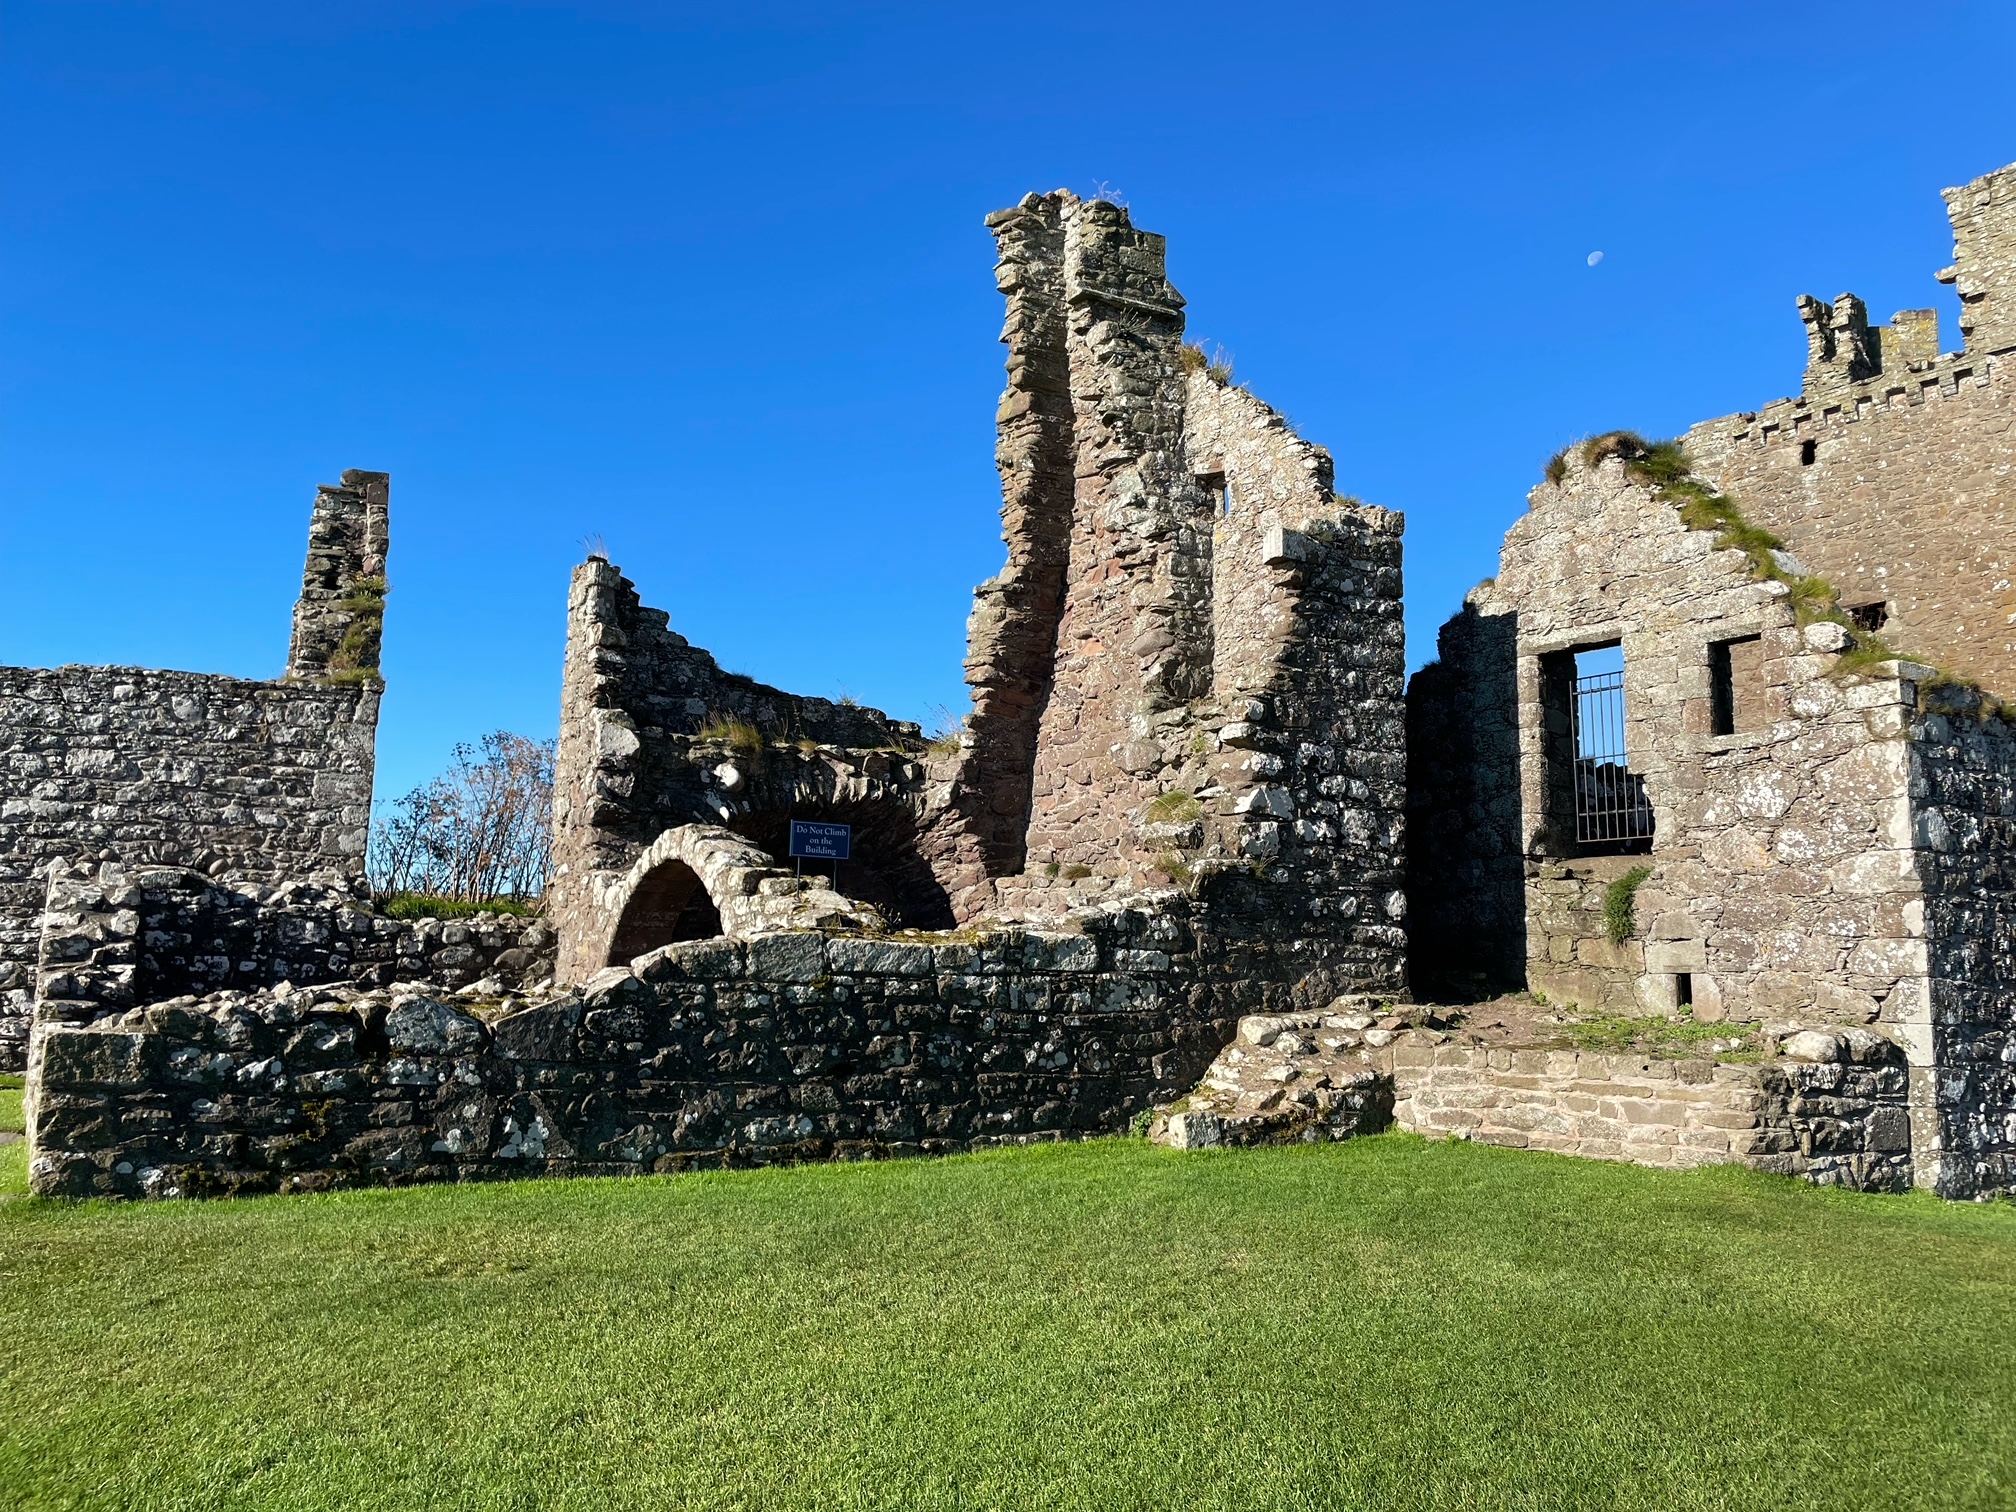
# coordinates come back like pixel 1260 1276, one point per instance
pixel 1963 769
pixel 243 779
pixel 711 1052
pixel 118 938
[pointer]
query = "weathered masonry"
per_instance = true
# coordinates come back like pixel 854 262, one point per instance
pixel 1178 799
pixel 1730 693
pixel 1186 678
pixel 251 782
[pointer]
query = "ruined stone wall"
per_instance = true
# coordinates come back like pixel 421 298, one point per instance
pixel 980 828
pixel 1187 676
pixel 1793 877
pixel 1133 640
pixel 1831 1107
pixel 339 620
pixel 1783 876
pixel 1192 663
pixel 1466 850
pixel 1983 271
pixel 713 1052
pixel 653 735
pixel 1908 501
pixel 114 937
pixel 1963 777
pixel 243 779
pixel 248 780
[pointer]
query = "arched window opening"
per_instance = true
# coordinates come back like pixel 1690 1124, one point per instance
pixel 668 906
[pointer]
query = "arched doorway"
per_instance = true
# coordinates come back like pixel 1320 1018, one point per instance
pixel 668 905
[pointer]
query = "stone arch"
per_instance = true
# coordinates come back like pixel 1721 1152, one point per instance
pixel 699 880
pixel 669 903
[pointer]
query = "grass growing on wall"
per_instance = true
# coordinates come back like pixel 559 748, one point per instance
pixel 738 735
pixel 355 658
pixel 1384 1324
pixel 1664 467
pixel 428 906
pixel 1620 904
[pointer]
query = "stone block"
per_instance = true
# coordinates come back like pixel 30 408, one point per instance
pixel 787 958
pixel 96 1057
pixel 424 1026
pixel 864 957
pixel 1060 952
pixel 543 1032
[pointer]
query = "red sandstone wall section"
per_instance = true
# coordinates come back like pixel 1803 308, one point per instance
pixel 1134 639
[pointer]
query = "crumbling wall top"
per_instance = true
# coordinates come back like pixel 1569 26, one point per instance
pixel 1983 272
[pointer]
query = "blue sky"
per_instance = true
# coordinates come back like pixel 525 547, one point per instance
pixel 711 283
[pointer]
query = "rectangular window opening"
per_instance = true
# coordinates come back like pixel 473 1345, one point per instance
pixel 1597 805
pixel 1683 989
pixel 1735 685
pixel 1808 452
pixel 1869 617
pixel 1218 490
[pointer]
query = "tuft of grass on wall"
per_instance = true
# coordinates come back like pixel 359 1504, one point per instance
pixel 737 734
pixel 1620 904
pixel 1173 808
pixel 355 658
pixel 428 906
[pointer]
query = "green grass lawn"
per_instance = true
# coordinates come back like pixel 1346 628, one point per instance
pixel 14 1156
pixel 1383 1324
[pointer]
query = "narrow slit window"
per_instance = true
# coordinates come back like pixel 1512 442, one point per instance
pixel 1683 989
pixel 1735 685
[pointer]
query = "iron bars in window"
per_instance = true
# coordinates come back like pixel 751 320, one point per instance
pixel 1610 803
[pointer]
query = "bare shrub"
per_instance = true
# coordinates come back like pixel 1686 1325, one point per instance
pixel 481 830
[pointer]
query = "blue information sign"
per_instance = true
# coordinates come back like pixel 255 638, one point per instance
pixel 821 842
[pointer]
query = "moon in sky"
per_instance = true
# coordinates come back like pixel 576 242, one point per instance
pixel 1595 258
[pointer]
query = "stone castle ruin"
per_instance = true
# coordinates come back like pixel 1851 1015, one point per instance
pixel 1711 748
pixel 1789 754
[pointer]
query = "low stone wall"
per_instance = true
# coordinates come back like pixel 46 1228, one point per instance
pixel 1835 1109
pixel 116 938
pixel 1836 1123
pixel 714 1052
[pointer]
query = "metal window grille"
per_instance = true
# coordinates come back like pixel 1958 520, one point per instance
pixel 1610 802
